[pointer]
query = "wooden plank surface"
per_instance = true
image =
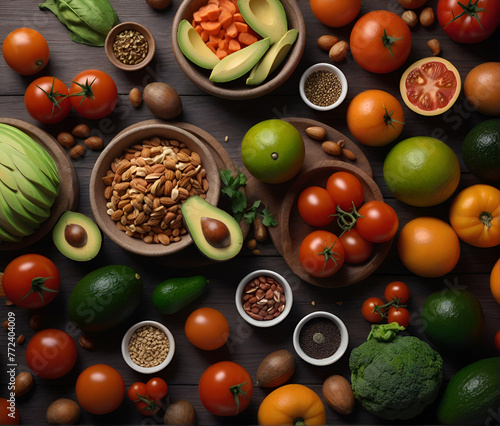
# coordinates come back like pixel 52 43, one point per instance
pixel 223 118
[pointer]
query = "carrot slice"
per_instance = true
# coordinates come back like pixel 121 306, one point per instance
pixel 198 28
pixel 233 46
pixel 204 36
pixel 211 27
pixel 225 17
pixel 228 4
pixel 223 44
pixel 211 46
pixel 212 11
pixel 241 27
pixel 216 2
pixel 197 17
pixel 238 18
pixel 214 39
pixel 246 38
pixel 231 31
pixel 221 53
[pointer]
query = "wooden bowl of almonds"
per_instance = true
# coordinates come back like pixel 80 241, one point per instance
pixel 139 182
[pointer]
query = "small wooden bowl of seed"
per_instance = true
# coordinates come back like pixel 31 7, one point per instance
pixel 263 298
pixel 130 46
pixel 323 87
pixel 148 347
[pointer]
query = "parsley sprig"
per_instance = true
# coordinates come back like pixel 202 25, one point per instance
pixel 239 202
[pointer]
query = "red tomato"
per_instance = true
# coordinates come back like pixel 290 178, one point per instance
pixel 225 388
pixel 31 281
pixel 335 13
pixel 156 388
pixel 51 353
pixel 497 340
pixel 356 248
pixel 46 100
pixel 369 309
pixel 136 390
pixel 345 188
pixel 399 315
pixel 207 329
pixel 8 412
pixel 316 206
pixel 26 51
pixel 100 389
pixel 468 22
pixel 379 222
pixel 93 94
pixel 380 41
pixel 397 290
pixel 321 254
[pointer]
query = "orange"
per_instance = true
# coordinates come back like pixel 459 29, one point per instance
pixel 495 281
pixel 428 247
pixel 482 88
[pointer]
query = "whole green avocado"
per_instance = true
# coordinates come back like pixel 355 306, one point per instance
pixel 395 377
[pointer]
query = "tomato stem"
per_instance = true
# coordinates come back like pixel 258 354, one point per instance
pixel 53 95
pixel 388 118
pixel 396 302
pixel 151 404
pixel 486 218
pixel 236 391
pixel 388 41
pixel 470 9
pixel 37 286
pixel 347 220
pixel 86 91
pixel 327 253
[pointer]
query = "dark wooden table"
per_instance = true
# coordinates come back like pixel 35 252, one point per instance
pixel 231 119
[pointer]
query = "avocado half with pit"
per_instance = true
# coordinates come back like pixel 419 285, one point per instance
pixel 215 232
pixel 193 47
pixel 266 17
pixel 272 58
pixel 77 236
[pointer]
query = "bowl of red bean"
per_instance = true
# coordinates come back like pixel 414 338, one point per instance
pixel 264 298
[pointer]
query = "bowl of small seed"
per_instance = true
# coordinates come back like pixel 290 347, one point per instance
pixel 263 298
pixel 323 87
pixel 320 338
pixel 130 46
pixel 148 347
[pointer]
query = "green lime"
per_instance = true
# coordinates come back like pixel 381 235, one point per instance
pixel 481 150
pixel 421 171
pixel 452 319
pixel 273 151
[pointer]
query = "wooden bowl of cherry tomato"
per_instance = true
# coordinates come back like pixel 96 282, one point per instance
pixel 316 214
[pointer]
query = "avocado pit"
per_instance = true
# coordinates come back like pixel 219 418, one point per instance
pixel 216 232
pixel 75 235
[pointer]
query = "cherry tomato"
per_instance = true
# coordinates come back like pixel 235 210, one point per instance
pixel 321 254
pixel 368 309
pixel 379 222
pixel 399 315
pixel 8 412
pixel 397 290
pixel 51 353
pixel 345 188
pixel 225 388
pixel 46 100
pixel 26 51
pixel 316 206
pixel 207 328
pixel 335 13
pixel 156 388
pixel 356 248
pixel 468 21
pixel 100 389
pixel 31 281
pixel 380 41
pixel 138 388
pixel 497 340
pixel 149 407
pixel 93 94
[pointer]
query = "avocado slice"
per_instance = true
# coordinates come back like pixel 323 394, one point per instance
pixel 239 63
pixel 193 48
pixel 215 232
pixel 265 17
pixel 77 236
pixel 273 58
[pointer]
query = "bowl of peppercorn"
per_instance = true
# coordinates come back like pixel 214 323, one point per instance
pixel 323 87
pixel 320 338
pixel 130 46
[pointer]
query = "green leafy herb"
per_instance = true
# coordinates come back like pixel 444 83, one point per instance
pixel 89 21
pixel 239 202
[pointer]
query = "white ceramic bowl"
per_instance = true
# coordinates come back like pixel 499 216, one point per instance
pixel 146 370
pixel 344 339
pixel 323 67
pixel 288 295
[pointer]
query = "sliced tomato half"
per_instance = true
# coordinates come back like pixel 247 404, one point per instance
pixel 430 86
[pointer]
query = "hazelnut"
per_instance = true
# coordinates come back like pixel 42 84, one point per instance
pixel 81 131
pixel 135 97
pixel 6 323
pixel 20 339
pixel 410 17
pixel 325 42
pixel 427 17
pixel 252 244
pixel 77 151
pixel 435 46
pixel 339 51
pixel 66 139
pixel 35 322
pixel 23 383
pixel 94 142
pixel 216 232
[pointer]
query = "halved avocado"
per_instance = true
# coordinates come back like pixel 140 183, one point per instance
pixel 77 236
pixel 265 17
pixel 215 232
pixel 273 58
pixel 239 63
pixel 193 48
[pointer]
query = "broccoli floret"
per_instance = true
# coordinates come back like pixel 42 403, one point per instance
pixel 395 378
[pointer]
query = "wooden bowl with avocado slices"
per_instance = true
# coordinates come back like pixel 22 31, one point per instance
pixel 210 45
